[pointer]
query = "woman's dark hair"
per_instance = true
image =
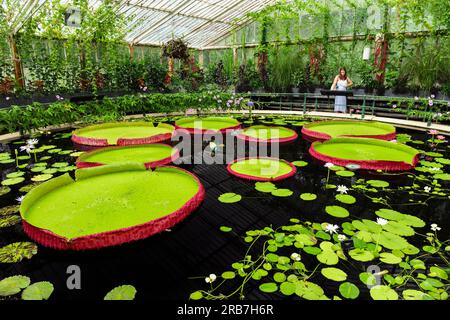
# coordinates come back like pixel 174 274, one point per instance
pixel 342 77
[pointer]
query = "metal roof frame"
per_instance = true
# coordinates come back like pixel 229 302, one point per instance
pixel 201 23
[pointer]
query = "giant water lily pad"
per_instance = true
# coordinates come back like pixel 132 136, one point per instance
pixel 267 134
pixel 368 153
pixel 214 124
pixel 121 133
pixel 324 130
pixel 109 205
pixel 262 169
pixel 151 155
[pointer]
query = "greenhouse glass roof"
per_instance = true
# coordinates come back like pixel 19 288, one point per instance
pixel 200 23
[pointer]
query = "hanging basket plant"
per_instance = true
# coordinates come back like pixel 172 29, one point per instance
pixel 176 49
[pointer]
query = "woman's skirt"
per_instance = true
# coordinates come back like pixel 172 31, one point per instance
pixel 340 103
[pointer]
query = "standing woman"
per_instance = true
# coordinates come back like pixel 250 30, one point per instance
pixel 341 82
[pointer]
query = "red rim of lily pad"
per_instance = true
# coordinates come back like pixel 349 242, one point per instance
pixel 120 236
pixel 387 165
pixel 153 164
pixel 100 142
pixel 312 135
pixel 292 138
pixel 256 178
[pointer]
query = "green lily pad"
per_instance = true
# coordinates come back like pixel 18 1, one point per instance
pixel 50 171
pixel 9 221
pixel 76 154
pixel 410 294
pixel 230 197
pixel 16 174
pixel 37 169
pixel 16 252
pixel 389 258
pixel 337 211
pixel 266 187
pixel 197 295
pixel 42 177
pixel 345 198
pixel 391 241
pixel 443 160
pixel 381 292
pixel 328 257
pixel 345 173
pixel 125 292
pixel 282 193
pixel 442 176
pixel 349 290
pixel 334 274
pixel 225 229
pixel 378 183
pixel 361 255
pixel 13 285
pixel 399 229
pixel 9 210
pixel 60 164
pixel 4 190
pixel 300 163
pixel 38 291
pixel 308 196
pixel 13 181
pixel 229 275
pixel 268 287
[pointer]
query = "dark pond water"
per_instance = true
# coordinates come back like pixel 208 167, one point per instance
pixel 173 264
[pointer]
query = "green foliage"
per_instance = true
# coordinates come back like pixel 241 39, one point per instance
pixel 35 116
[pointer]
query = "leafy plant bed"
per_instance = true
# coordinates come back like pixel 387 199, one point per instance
pixel 367 153
pixel 151 155
pixel 122 133
pixel 324 130
pixel 108 206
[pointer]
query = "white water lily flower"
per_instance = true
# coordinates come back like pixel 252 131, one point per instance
pixel 434 227
pixel 212 277
pixel 20 199
pixel 342 189
pixel 328 165
pixel 32 142
pixel 331 228
pixel 27 148
pixel 296 257
pixel 353 166
pixel 382 221
pixel 341 237
pixel 427 189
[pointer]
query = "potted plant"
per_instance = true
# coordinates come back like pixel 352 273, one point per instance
pixel 298 81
